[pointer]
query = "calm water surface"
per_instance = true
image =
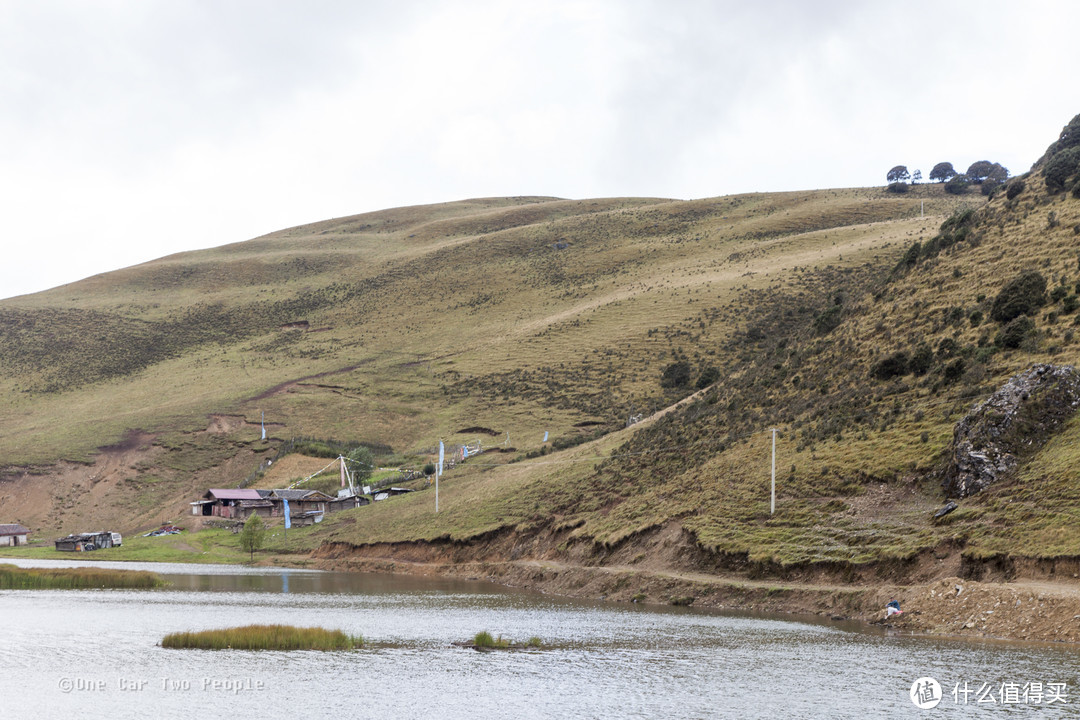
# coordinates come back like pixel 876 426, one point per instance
pixel 94 654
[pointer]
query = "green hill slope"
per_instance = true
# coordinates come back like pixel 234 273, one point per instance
pixel 127 394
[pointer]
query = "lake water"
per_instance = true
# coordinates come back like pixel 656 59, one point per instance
pixel 94 654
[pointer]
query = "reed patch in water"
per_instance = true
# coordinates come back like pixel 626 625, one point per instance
pixel 13 577
pixel 264 637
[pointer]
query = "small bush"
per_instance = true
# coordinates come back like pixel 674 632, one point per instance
pixel 829 320
pixel 1020 297
pixel 921 359
pixel 975 318
pixel 957 185
pixel 676 375
pixel 1014 188
pixel 709 375
pixel 1069 304
pixel 897 187
pixel 911 257
pixel 892 366
pixel 954 370
pixel 947 348
pixel 484 641
pixel 1015 332
pixel 1060 167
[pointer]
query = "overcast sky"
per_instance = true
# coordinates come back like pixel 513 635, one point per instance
pixel 132 129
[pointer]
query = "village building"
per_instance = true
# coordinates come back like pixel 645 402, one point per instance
pixel 84 542
pixel 384 493
pixel 13 534
pixel 237 503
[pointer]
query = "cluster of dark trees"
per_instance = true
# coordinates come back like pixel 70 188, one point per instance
pixel 990 176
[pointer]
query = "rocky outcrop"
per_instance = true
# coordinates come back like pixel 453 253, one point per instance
pixel 1016 420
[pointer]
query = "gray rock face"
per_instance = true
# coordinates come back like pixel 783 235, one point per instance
pixel 1015 420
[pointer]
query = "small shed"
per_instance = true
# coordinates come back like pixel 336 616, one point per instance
pixel 384 493
pixel 13 534
pixel 347 502
pixel 84 542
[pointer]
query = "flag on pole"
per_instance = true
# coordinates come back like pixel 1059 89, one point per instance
pixel 442 455
pixel 263 424
pixel 288 518
pixel 545 435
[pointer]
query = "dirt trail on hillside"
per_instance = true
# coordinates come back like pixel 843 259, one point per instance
pixel 1030 610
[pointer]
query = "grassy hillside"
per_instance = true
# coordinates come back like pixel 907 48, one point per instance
pixel 503 319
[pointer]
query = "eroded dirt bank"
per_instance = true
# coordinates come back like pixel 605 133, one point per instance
pixel 941 593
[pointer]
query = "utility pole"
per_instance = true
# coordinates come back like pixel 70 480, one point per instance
pixel 772 503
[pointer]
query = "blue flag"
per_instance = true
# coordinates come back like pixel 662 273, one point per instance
pixel 545 436
pixel 442 454
pixel 288 518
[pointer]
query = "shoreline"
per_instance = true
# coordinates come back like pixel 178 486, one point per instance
pixel 1026 610
pixel 1018 611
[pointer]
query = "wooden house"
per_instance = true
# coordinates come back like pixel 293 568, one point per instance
pixel 300 501
pixel 236 503
pixel 346 502
pixel 13 534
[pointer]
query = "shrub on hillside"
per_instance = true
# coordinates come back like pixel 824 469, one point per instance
pixel 897 187
pixel 892 366
pixel 1021 296
pixel 828 320
pixel 1015 332
pixel 1060 168
pixel 921 359
pixel 954 370
pixel 1014 188
pixel 709 375
pixel 957 185
pixel 676 375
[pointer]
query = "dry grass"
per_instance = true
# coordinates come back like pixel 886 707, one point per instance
pixel 83 578
pixel 263 637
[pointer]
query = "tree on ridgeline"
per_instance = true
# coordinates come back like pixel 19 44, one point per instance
pixel 898 174
pixel 942 172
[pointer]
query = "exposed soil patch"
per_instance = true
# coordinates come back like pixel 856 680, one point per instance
pixel 283 387
pixel 665 565
pixel 133 439
pixel 225 424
